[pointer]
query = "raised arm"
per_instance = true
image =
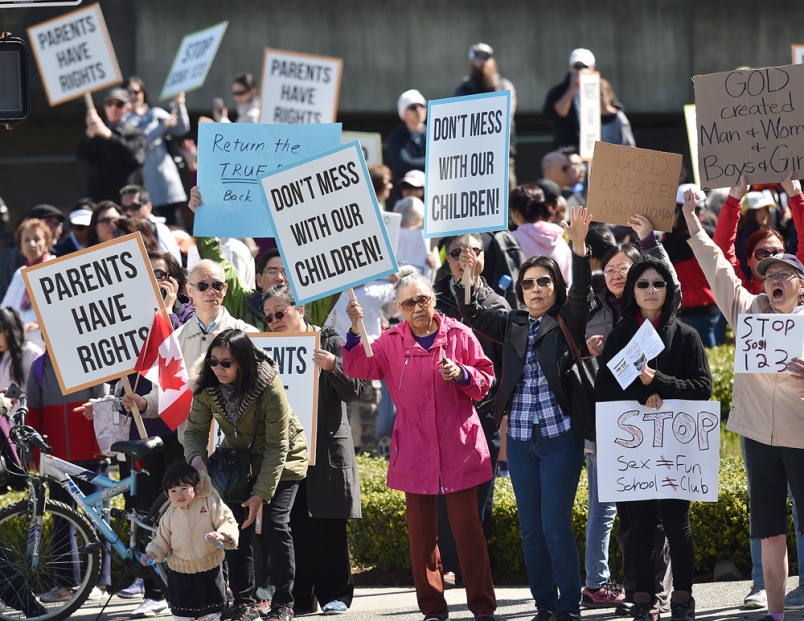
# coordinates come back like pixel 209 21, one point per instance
pixel 793 189
pixel 726 229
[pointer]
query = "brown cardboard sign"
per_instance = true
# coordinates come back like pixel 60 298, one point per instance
pixel 750 122
pixel 627 180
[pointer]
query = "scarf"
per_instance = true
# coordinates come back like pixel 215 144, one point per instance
pixel 223 395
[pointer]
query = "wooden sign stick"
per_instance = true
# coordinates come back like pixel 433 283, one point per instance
pixel 134 411
pixel 88 101
pixel 468 277
pixel 361 327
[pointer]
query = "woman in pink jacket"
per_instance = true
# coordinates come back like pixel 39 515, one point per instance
pixel 435 368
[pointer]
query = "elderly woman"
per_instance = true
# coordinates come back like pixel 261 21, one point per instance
pixel 544 455
pixel 330 495
pixel 435 368
pixel 767 408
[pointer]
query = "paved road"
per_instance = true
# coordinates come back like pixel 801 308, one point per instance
pixel 719 601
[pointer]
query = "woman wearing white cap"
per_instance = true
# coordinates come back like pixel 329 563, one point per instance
pixel 562 105
pixel 407 144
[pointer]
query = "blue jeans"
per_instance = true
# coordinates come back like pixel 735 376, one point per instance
pixel 598 530
pixel 705 325
pixel 545 473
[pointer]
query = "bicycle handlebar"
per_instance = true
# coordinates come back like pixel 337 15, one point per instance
pixel 39 442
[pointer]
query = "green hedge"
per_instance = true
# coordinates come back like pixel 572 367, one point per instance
pixel 721 364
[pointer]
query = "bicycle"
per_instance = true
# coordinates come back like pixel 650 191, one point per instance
pixel 28 558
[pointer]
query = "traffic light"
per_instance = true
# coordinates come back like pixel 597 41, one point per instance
pixel 14 98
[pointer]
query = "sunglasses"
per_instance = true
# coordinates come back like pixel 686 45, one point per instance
pixel 132 91
pixel 409 305
pixel 239 93
pixel 160 274
pixel 269 318
pixel 657 284
pixel 779 276
pixel 132 207
pixel 106 220
pixel 203 285
pixel 224 363
pixel 455 254
pixel 415 106
pixel 580 67
pixel 115 104
pixel 542 281
pixel 764 253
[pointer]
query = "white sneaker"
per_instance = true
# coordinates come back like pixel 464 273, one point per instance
pixel 756 598
pixel 96 594
pixel 149 608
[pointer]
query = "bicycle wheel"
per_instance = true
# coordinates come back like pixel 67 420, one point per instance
pixel 70 565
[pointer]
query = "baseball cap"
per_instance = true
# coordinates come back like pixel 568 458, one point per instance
pixel 409 98
pixel 43 212
pixel 583 56
pixel 80 217
pixel 413 178
pixel 118 93
pixel 758 200
pixel 479 49
pixel 787 258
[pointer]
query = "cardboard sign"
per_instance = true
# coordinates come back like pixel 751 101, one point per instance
pixel 231 159
pixel 74 54
pixel 371 144
pixel 466 170
pixel 329 227
pixel 749 122
pixel 193 60
pixel 692 139
pixel 589 95
pixel 393 222
pixel 299 88
pixel 766 343
pixel 798 54
pixel 628 180
pixel 95 307
pixel 293 354
pixel 646 454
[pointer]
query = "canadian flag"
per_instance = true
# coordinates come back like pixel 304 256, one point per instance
pixel 161 362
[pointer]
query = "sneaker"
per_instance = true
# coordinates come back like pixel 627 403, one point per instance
pixel 607 595
pixel 624 609
pixel 449 580
pixel 97 594
pixel 794 600
pixel 643 608
pixel 263 607
pixel 135 590
pixel 485 614
pixel 149 608
pixel 756 598
pixel 280 613
pixel 436 616
pixel 545 615
pixel 334 607
pixel 682 606
pixel 55 595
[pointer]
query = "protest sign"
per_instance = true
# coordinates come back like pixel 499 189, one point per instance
pixel 231 159
pixel 766 343
pixel 95 307
pixel 299 88
pixel 293 354
pixel 692 139
pixel 627 364
pixel 392 222
pixel 589 95
pixel 646 454
pixel 749 122
pixel 328 223
pixel 798 54
pixel 193 60
pixel 466 170
pixel 371 144
pixel 627 180
pixel 74 54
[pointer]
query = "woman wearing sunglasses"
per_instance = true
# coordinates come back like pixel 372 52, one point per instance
pixel 435 368
pixel 330 495
pixel 767 409
pixel 232 381
pixel 102 223
pixel 544 455
pixel 680 371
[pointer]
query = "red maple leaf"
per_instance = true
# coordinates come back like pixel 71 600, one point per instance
pixel 169 374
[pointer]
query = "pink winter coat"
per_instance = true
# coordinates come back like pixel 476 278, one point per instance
pixel 438 444
pixel 546 239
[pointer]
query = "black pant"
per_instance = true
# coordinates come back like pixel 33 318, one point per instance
pixel 323 567
pixel 241 560
pixel 662 570
pixel 277 545
pixel 640 549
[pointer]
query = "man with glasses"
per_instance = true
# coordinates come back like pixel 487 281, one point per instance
pixel 407 144
pixel 562 104
pixel 114 149
pixel 136 201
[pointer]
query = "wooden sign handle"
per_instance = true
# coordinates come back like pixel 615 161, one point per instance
pixel 361 327
pixel 468 276
pixel 134 411
pixel 88 101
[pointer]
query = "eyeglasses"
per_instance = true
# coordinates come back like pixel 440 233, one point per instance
pixel 542 281
pixel 409 305
pixel 622 270
pixel 203 285
pixel 106 220
pixel 657 284
pixel 115 104
pixel 224 363
pixel 779 276
pixel 239 93
pixel 764 253
pixel 160 274
pixel 269 318
pixel 415 106
pixel 133 91
pixel 275 271
pixel 132 206
pixel 456 253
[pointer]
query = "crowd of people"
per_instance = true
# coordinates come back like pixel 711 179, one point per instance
pixel 450 369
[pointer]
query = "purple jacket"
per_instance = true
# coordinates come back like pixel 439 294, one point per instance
pixel 437 444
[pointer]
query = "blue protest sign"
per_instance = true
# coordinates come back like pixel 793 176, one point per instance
pixel 232 157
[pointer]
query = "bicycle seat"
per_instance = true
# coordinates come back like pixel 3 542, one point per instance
pixel 138 449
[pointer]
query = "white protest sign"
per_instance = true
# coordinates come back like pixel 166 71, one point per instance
pixel 627 364
pixel 329 227
pixel 293 354
pixel 193 60
pixel 798 54
pixel 692 138
pixel 95 308
pixel 466 170
pixel 646 454
pixel 393 222
pixel 299 88
pixel 74 54
pixel 766 343
pixel 371 144
pixel 589 95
